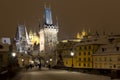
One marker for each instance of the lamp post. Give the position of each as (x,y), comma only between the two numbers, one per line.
(72,54)
(50,63)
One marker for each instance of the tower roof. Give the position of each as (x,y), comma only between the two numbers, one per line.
(48,16)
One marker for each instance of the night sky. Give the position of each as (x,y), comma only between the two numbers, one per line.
(73,15)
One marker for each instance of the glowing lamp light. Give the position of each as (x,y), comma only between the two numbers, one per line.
(22,60)
(72,54)
(50,59)
(13,54)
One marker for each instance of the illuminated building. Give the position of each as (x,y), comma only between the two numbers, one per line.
(83,49)
(82,34)
(107,56)
(48,33)
(22,39)
(83,52)
(65,47)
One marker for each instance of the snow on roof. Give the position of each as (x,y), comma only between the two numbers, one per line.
(113,48)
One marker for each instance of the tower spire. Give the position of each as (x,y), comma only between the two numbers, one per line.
(48,16)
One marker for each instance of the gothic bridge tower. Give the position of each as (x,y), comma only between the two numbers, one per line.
(48,33)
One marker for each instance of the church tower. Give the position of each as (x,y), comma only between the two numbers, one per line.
(48,33)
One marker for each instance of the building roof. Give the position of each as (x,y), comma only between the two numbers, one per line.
(106,49)
(4,47)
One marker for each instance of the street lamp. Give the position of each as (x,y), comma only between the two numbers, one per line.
(22,62)
(47,61)
(50,59)
(13,54)
(72,54)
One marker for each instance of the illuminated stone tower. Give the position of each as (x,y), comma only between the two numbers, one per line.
(22,39)
(48,33)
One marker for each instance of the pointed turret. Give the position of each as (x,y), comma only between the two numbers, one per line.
(16,38)
(84,33)
(78,35)
(27,37)
(57,26)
